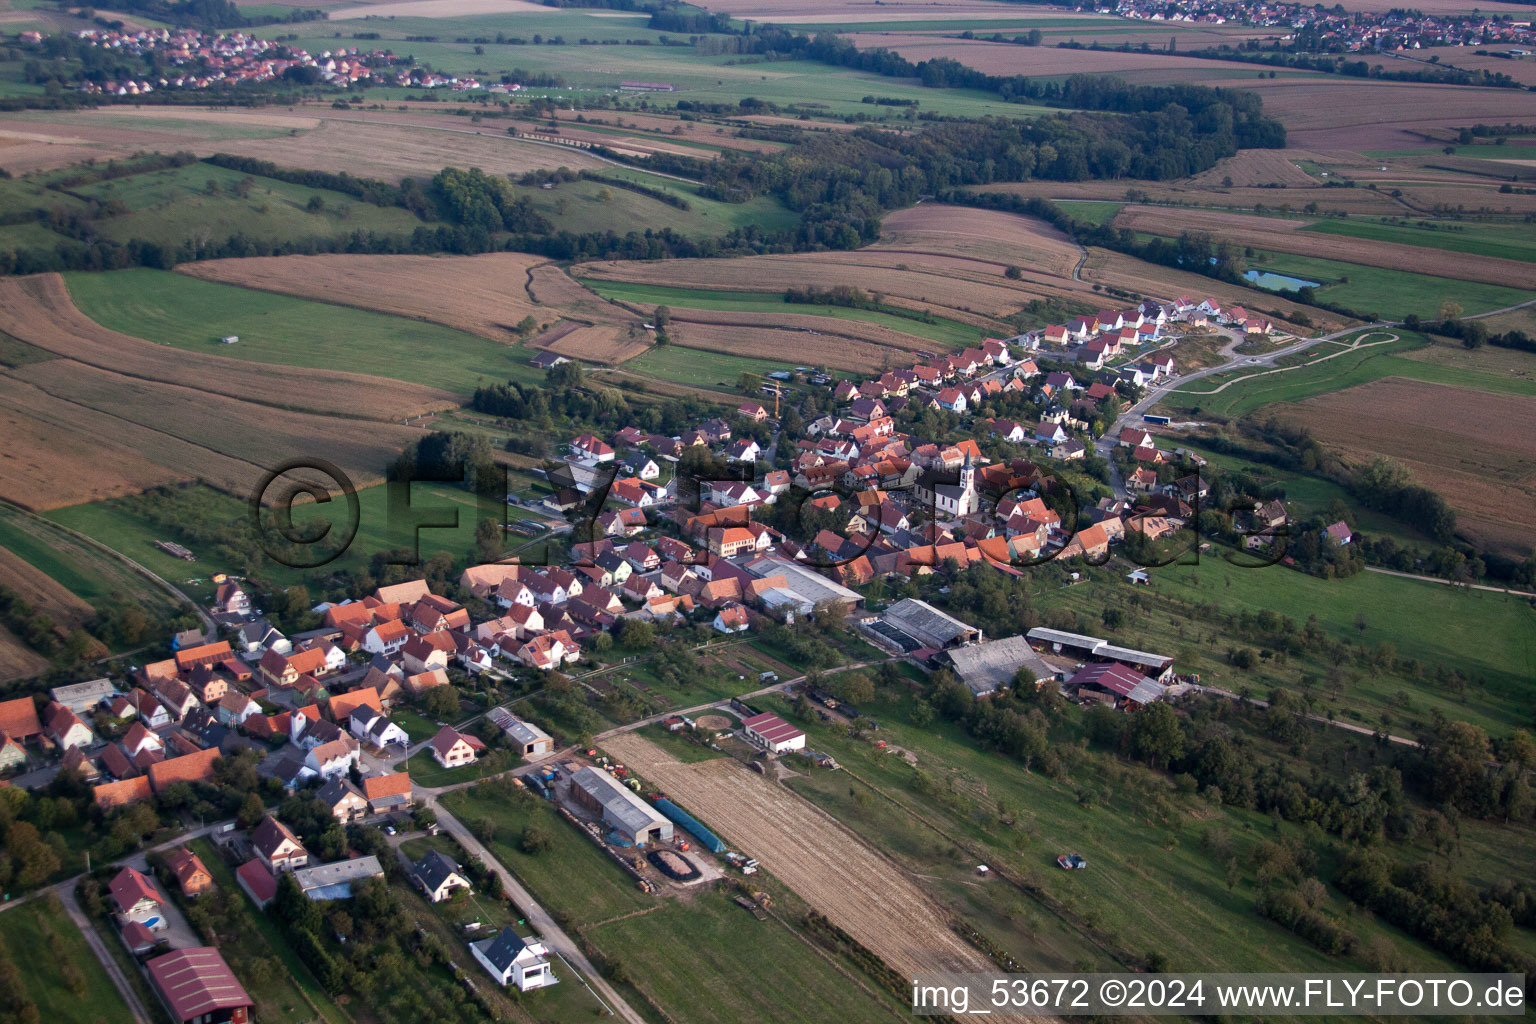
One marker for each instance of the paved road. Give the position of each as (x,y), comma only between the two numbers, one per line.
(551,933)
(93,939)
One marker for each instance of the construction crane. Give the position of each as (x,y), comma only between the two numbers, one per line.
(773,385)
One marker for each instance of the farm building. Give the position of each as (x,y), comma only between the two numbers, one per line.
(773,734)
(631,817)
(986,668)
(804,589)
(1092,648)
(196,985)
(530,739)
(81,697)
(1115,684)
(927,625)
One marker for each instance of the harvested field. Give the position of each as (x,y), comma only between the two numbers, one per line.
(819,11)
(391,150)
(1478,450)
(1008,59)
(1334,113)
(437,9)
(552,286)
(1004,238)
(1329,200)
(1256,167)
(52,463)
(17,660)
(1134,275)
(66,610)
(226,442)
(485,295)
(602,343)
(810,349)
(911,289)
(706,132)
(811,852)
(714,723)
(832,327)
(38,310)
(1522,71)
(1282,236)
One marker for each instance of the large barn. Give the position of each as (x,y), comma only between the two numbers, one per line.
(773,734)
(1091,648)
(927,625)
(628,815)
(989,667)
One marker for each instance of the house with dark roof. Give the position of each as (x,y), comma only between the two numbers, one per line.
(514,960)
(277,847)
(437,876)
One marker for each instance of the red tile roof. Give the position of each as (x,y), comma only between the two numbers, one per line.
(18,719)
(377,787)
(196,767)
(130,886)
(116,794)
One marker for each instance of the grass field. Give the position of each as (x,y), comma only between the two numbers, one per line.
(191,314)
(120,526)
(39,937)
(1345,371)
(1391,293)
(1143,848)
(1507,241)
(1489,638)
(947,331)
(578,206)
(699,368)
(89,574)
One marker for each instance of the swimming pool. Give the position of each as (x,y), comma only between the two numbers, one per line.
(1278,282)
(152,923)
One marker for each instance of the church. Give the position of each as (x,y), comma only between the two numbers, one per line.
(948,497)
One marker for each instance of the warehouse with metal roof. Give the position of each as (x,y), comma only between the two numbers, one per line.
(1116,684)
(987,668)
(1093,648)
(628,815)
(927,625)
(197,985)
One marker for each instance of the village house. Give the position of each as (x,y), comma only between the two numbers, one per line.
(451,749)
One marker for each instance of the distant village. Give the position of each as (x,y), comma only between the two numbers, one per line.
(1329,29)
(203,60)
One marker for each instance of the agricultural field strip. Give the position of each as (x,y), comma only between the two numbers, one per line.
(857,889)
(38,310)
(1285,236)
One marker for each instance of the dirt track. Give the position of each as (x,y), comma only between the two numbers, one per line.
(810,851)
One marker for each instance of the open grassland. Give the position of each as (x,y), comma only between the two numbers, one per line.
(39,311)
(44,140)
(225,441)
(582,206)
(1489,638)
(808,850)
(84,570)
(1142,278)
(40,940)
(1393,293)
(716,963)
(1004,238)
(1477,450)
(1334,366)
(124,526)
(1185,191)
(1508,242)
(720,306)
(699,368)
(333,359)
(485,295)
(1285,236)
(1144,845)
